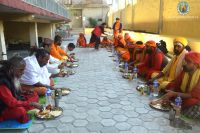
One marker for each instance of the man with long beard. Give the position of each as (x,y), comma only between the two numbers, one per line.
(174,67)
(187,86)
(13,103)
(154,60)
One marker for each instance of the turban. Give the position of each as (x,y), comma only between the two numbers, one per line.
(194,57)
(48,41)
(140,46)
(181,40)
(151,43)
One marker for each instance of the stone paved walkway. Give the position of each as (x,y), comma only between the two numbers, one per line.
(102,101)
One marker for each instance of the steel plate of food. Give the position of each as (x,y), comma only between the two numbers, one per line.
(49,113)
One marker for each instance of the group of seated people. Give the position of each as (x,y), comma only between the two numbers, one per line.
(82,42)
(23,80)
(178,77)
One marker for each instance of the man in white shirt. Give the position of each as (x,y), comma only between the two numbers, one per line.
(54,65)
(36,76)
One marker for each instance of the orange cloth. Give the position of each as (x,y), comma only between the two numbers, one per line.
(116,29)
(128,39)
(138,57)
(140,46)
(39,90)
(151,43)
(81,40)
(193,57)
(125,55)
(122,49)
(152,63)
(121,42)
(195,90)
(91,45)
(57,52)
(14,108)
(106,42)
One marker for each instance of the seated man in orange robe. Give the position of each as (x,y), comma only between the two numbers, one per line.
(138,53)
(153,61)
(105,42)
(81,42)
(56,51)
(130,44)
(129,41)
(187,86)
(122,49)
(13,103)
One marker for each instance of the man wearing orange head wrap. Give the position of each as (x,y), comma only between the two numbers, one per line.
(129,41)
(153,61)
(122,49)
(130,44)
(138,53)
(82,41)
(187,86)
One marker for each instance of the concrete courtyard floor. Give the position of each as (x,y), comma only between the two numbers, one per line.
(101,101)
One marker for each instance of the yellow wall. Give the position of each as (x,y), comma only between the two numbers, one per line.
(194,44)
(144,15)
(176,24)
(126,17)
(16,31)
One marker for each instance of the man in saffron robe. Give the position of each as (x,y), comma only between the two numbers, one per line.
(56,50)
(138,53)
(117,28)
(130,44)
(81,41)
(105,42)
(174,67)
(187,86)
(153,61)
(122,49)
(13,103)
(96,34)
(129,41)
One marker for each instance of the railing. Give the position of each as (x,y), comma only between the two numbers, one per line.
(49,5)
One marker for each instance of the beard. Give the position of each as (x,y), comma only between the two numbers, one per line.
(185,69)
(17,83)
(149,51)
(176,52)
(138,51)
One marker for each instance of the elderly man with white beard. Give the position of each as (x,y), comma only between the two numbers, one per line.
(13,103)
